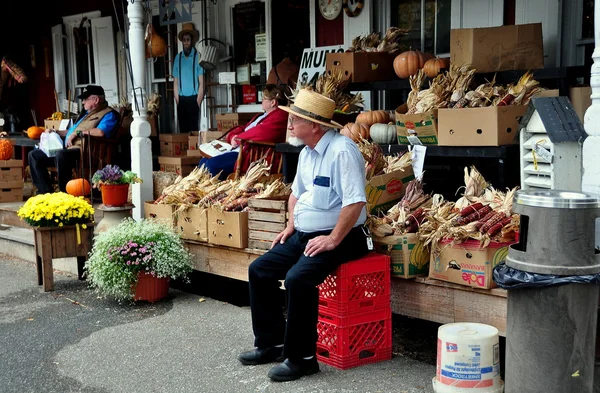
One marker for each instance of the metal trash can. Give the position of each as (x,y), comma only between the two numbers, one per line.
(551,331)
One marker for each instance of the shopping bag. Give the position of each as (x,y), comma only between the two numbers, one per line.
(50,143)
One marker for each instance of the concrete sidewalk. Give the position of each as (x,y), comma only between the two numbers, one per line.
(70,340)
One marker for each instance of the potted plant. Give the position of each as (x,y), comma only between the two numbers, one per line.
(114,183)
(62,226)
(130,255)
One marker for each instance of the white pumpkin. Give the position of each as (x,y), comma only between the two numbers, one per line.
(384,134)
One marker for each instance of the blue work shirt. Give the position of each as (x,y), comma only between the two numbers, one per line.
(330,177)
(186,81)
(107,124)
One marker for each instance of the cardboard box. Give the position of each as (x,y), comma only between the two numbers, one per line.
(197,138)
(490,126)
(194,140)
(52,124)
(409,258)
(228,228)
(580,99)
(467,264)
(11,171)
(195,153)
(173,145)
(226,121)
(192,224)
(162,212)
(362,66)
(11,192)
(503,48)
(384,191)
(209,136)
(181,165)
(421,126)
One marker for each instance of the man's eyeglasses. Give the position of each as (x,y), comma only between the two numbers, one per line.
(296,120)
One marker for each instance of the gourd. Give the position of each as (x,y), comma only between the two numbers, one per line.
(6,149)
(383,133)
(433,66)
(355,131)
(155,44)
(410,62)
(34,132)
(371,117)
(78,187)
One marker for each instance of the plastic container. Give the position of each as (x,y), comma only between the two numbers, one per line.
(468,359)
(357,287)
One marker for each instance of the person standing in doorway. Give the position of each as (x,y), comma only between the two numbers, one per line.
(188,80)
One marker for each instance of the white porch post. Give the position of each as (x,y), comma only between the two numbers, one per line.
(141,146)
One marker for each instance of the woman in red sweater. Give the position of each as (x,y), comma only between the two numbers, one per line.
(270,126)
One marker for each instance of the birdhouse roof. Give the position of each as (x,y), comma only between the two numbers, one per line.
(559,118)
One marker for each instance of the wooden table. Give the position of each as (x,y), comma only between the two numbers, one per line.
(421,297)
(26,144)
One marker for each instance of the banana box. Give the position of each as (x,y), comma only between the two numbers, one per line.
(409,257)
(384,191)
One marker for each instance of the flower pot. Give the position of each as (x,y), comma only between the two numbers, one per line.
(150,288)
(114,194)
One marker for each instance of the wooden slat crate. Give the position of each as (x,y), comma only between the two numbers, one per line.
(266,219)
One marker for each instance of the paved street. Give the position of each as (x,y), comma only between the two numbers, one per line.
(70,340)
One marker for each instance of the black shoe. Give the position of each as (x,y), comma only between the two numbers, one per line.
(288,371)
(261,356)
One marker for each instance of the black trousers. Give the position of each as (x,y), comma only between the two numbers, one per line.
(302,275)
(188,113)
(64,161)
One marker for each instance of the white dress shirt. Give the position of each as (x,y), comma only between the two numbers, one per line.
(329,177)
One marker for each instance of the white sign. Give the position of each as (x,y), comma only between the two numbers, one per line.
(418,160)
(255,69)
(313,63)
(227,78)
(261,46)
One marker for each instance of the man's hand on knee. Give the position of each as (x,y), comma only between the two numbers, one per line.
(319,244)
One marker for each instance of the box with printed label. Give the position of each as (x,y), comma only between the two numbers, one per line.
(161,212)
(467,263)
(226,121)
(416,128)
(409,257)
(192,224)
(489,126)
(181,165)
(501,48)
(173,145)
(384,191)
(362,66)
(11,171)
(228,228)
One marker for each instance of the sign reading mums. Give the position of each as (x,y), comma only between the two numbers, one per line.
(313,63)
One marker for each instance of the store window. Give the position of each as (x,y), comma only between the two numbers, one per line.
(84,54)
(428,23)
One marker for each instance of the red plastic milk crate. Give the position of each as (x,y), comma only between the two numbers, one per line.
(357,286)
(346,342)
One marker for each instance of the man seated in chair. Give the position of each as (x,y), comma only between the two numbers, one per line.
(98,120)
(270,126)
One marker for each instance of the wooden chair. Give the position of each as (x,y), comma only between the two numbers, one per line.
(257,150)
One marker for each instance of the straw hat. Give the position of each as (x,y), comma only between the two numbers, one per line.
(188,28)
(313,106)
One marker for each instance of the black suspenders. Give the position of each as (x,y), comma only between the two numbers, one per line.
(193,69)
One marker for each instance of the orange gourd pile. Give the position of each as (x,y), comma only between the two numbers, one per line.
(372,117)
(433,66)
(34,132)
(355,131)
(6,149)
(410,62)
(78,187)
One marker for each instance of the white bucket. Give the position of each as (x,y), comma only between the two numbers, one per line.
(468,359)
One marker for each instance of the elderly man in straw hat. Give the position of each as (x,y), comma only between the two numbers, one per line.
(188,80)
(325,229)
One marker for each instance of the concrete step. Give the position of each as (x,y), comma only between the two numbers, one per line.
(19,242)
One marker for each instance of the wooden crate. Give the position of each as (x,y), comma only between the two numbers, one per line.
(266,219)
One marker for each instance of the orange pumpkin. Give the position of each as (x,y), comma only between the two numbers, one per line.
(78,187)
(6,149)
(409,63)
(372,117)
(34,132)
(355,131)
(433,66)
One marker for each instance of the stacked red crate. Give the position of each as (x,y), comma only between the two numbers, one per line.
(355,318)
